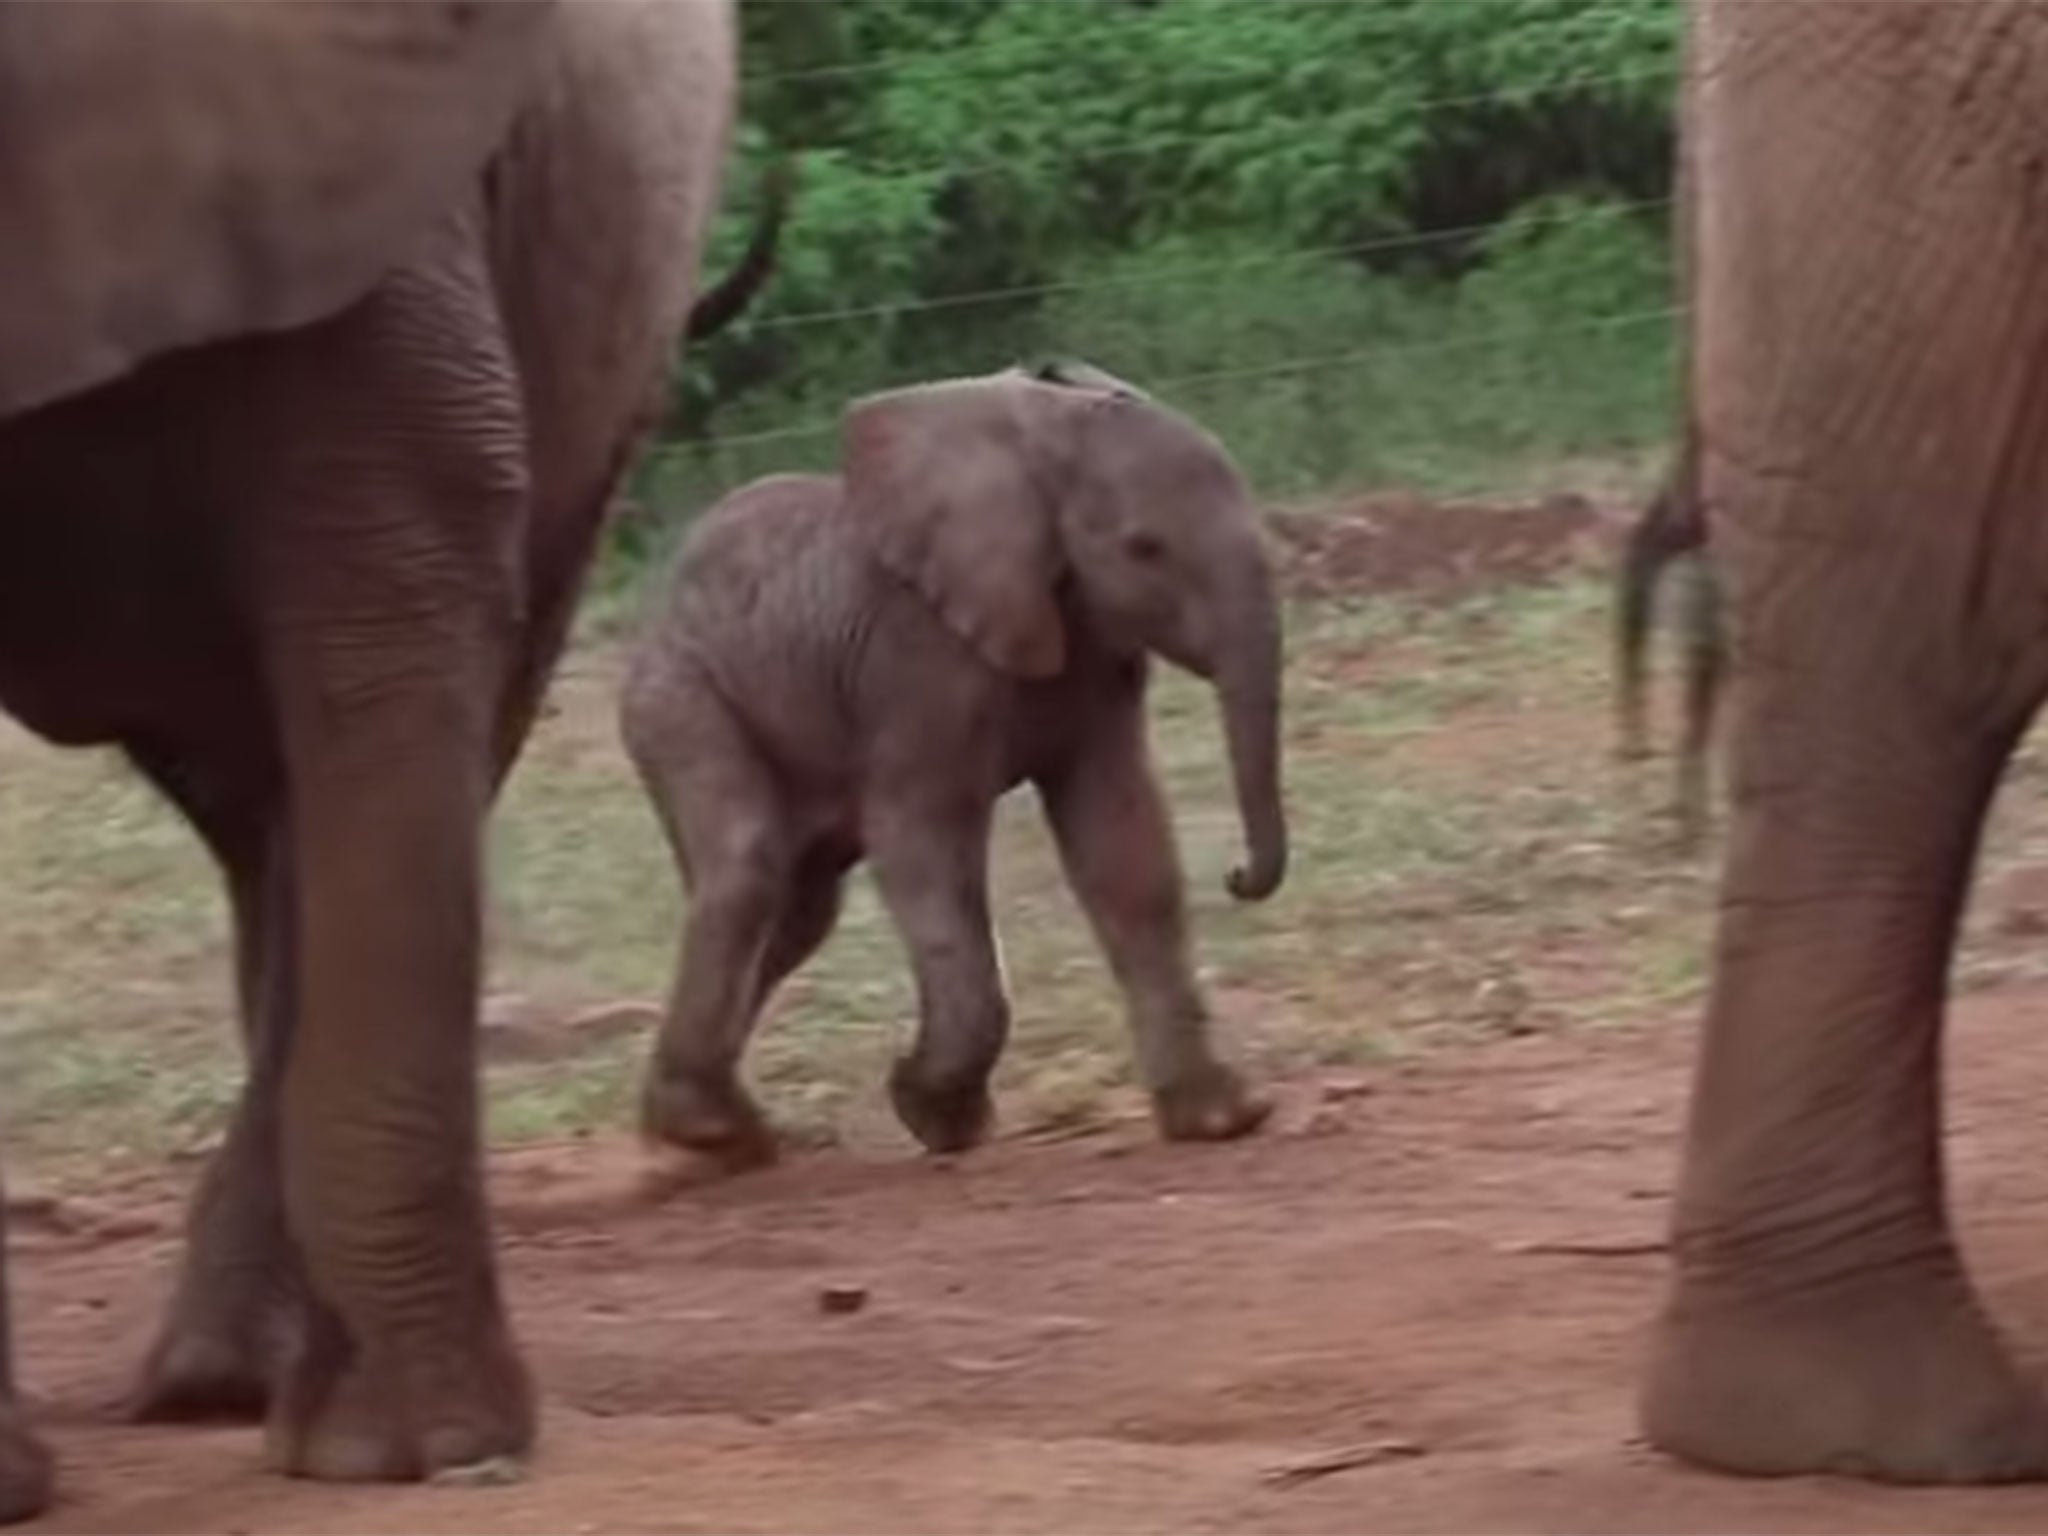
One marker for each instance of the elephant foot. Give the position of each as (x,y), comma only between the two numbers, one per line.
(1901,1380)
(1211,1104)
(234,1319)
(208,1368)
(26,1471)
(448,1410)
(193,1377)
(943,1119)
(716,1119)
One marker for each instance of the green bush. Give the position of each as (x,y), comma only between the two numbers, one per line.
(1461,205)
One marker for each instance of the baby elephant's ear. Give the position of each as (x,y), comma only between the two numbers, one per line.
(953,485)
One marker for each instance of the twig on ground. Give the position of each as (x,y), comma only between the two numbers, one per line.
(1349,1458)
(1595,1248)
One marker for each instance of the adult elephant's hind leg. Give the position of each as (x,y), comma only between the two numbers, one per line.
(719,807)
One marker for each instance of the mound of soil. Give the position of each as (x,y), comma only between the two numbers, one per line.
(1402,543)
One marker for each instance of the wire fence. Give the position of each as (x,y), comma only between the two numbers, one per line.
(1200,275)
(1302,413)
(1531,337)
(1484,415)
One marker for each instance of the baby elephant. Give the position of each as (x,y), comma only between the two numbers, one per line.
(859,666)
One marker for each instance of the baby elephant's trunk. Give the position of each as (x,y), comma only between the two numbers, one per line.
(1248,684)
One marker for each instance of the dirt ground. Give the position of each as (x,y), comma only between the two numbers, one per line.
(1441,1270)
(1416,1303)
(1438,550)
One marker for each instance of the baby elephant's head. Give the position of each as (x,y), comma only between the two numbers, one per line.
(995,495)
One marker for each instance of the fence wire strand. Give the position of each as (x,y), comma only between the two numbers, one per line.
(1323,362)
(1185,276)
(1192,277)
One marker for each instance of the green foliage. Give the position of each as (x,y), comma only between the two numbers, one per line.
(1190,187)
(1317,375)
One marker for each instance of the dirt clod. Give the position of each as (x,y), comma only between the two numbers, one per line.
(842,1299)
(492,1472)
(1342,1090)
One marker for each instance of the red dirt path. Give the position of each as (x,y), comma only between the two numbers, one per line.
(1102,1334)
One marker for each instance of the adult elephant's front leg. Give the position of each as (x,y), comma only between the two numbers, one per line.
(408,1365)
(236,1305)
(389,580)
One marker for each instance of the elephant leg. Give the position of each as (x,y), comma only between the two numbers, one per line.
(25,1468)
(240,1290)
(808,916)
(387,512)
(407,1366)
(1116,844)
(1872,402)
(723,817)
(931,865)
(1821,1319)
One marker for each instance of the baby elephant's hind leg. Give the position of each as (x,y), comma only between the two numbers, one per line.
(720,808)
(931,865)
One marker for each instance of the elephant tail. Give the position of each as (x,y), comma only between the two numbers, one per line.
(719,306)
(1669,527)
(1705,667)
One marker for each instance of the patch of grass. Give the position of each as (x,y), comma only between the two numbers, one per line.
(1469,862)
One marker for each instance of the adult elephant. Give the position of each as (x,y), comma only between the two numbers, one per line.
(326,330)
(1869,342)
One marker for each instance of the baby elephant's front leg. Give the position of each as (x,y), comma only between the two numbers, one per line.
(1117,846)
(931,865)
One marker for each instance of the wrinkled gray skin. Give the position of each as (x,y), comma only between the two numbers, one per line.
(1671,530)
(858,666)
(313,425)
(1870,325)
